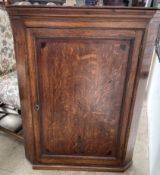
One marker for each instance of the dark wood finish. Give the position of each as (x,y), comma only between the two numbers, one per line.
(79,89)
(82,74)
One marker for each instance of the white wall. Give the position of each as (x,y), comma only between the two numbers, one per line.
(153,109)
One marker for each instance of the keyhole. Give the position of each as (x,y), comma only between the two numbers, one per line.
(36,107)
(43,44)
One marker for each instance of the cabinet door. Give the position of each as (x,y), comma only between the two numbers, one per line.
(82,85)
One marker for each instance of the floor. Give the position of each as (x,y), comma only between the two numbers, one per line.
(13,162)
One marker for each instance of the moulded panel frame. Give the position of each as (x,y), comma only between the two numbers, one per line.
(135,38)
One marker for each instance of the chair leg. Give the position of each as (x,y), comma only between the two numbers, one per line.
(16,135)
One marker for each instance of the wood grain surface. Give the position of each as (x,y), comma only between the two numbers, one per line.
(78,81)
(81,78)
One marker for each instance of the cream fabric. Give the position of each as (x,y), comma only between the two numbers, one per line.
(7,56)
(9,93)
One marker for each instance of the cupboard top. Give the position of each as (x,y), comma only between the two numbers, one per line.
(95,12)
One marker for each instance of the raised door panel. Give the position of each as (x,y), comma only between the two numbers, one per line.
(80,106)
(80,83)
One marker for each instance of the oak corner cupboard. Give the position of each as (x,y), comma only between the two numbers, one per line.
(82,74)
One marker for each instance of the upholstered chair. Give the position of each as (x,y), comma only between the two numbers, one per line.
(9,94)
